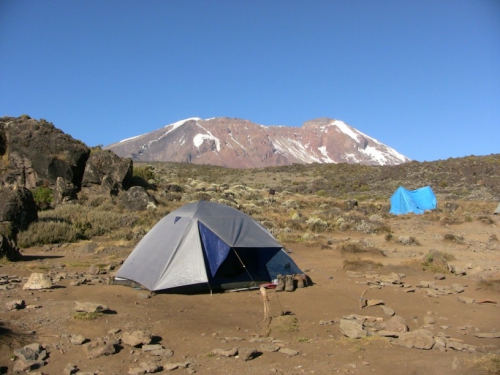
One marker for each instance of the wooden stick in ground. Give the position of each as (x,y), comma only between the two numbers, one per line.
(362,299)
(265,300)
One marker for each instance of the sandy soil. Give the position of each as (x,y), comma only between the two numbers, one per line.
(194,325)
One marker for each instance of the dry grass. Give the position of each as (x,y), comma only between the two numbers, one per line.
(484,365)
(359,264)
(453,238)
(80,315)
(489,284)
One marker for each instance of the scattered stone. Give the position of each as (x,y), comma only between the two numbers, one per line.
(99,348)
(387,310)
(426,284)
(467,300)
(136,371)
(70,369)
(326,322)
(93,270)
(289,352)
(396,324)
(439,276)
(419,339)
(170,366)
(429,320)
(488,335)
(225,352)
(143,295)
(136,338)
(38,281)
(157,350)
(374,302)
(77,339)
(15,305)
(385,333)
(31,352)
(90,307)
(247,354)
(352,328)
(269,348)
(457,288)
(150,368)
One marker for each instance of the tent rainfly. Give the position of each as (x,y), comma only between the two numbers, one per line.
(205,245)
(497,211)
(412,201)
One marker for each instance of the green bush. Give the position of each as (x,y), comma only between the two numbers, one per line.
(43,197)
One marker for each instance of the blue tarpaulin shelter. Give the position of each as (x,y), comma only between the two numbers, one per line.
(412,201)
(206,244)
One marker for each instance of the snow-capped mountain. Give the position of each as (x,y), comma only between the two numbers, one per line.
(238,143)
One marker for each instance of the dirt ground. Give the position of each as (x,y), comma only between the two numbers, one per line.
(307,320)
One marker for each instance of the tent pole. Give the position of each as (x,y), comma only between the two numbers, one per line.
(245,267)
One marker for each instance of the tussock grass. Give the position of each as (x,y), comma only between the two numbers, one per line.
(454,238)
(488,364)
(80,315)
(436,261)
(359,264)
(489,284)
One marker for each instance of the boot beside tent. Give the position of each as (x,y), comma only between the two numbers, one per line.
(206,245)
(412,201)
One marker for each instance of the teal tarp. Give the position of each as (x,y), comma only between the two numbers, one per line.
(412,201)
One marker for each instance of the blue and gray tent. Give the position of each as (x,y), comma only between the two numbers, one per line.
(412,201)
(206,245)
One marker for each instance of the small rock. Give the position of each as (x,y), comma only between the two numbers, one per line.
(466,299)
(419,339)
(90,307)
(352,328)
(136,338)
(38,281)
(269,348)
(77,339)
(70,369)
(247,354)
(150,368)
(488,335)
(387,310)
(396,324)
(15,305)
(225,352)
(374,302)
(289,352)
(93,270)
(439,276)
(99,348)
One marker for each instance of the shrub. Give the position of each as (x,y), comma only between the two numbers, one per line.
(43,232)
(361,265)
(43,197)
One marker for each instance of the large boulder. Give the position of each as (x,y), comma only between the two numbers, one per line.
(137,199)
(8,244)
(108,170)
(35,153)
(18,207)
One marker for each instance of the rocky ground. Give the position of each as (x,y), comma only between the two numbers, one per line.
(401,318)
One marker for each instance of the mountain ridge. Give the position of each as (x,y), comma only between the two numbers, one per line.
(240,143)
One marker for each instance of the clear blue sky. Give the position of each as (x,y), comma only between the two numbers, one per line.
(422,76)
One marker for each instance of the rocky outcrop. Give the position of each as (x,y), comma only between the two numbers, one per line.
(137,199)
(35,153)
(107,169)
(18,207)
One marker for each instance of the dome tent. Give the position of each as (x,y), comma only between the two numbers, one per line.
(412,201)
(206,245)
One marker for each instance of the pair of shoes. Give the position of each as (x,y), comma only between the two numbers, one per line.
(301,280)
(289,283)
(281,283)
